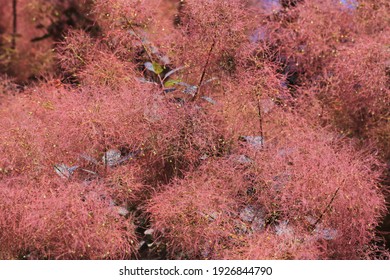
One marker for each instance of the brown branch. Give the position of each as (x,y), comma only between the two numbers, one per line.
(260,119)
(147,50)
(131,26)
(14,24)
(326,209)
(197,93)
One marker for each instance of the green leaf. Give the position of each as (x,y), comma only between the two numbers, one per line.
(157,68)
(154,67)
(171,83)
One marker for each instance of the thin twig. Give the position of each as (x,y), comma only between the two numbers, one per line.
(326,209)
(140,40)
(197,92)
(147,50)
(14,25)
(260,119)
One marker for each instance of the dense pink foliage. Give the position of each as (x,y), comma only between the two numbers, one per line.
(194,129)
(359,96)
(290,184)
(56,220)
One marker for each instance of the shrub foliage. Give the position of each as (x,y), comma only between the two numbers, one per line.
(169,129)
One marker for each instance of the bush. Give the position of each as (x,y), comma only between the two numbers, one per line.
(52,219)
(357,92)
(302,195)
(28,54)
(216,125)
